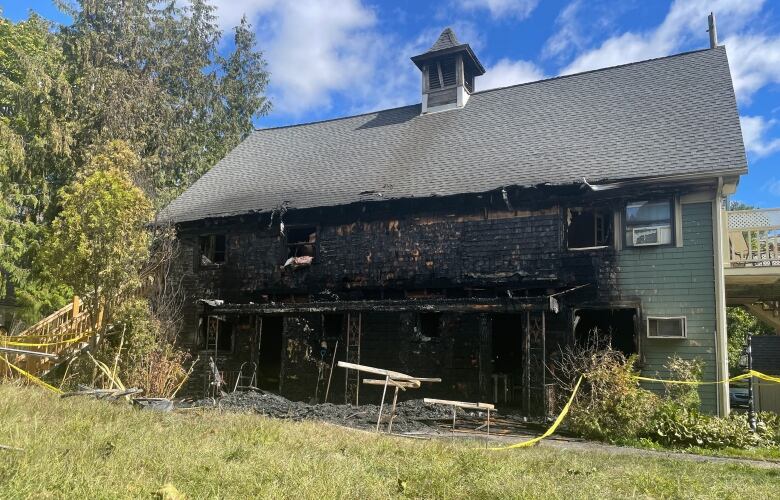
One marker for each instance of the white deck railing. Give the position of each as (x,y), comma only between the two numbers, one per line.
(753,237)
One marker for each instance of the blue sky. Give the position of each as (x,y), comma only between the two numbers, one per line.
(331,58)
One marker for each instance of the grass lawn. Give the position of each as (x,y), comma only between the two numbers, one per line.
(78,448)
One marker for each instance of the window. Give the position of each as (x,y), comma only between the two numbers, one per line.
(588,228)
(615,327)
(667,328)
(429,325)
(213,249)
(649,223)
(301,242)
(218,334)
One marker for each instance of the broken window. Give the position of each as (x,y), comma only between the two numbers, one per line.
(218,334)
(614,327)
(649,223)
(588,227)
(301,242)
(430,325)
(213,249)
(667,328)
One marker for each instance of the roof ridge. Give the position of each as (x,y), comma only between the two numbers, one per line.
(315,122)
(633,63)
(326,120)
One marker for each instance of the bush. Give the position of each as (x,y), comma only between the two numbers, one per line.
(148,359)
(610,405)
(674,425)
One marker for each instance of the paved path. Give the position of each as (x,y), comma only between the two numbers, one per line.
(581,445)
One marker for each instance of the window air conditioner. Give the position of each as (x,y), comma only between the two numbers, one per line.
(651,235)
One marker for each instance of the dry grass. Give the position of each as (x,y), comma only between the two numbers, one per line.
(78,448)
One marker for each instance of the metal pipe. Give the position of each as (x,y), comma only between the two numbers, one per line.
(713,30)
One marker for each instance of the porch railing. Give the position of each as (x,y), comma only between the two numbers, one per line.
(753,237)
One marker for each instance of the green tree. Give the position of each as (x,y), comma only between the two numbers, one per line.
(98,242)
(150,74)
(740,322)
(36,155)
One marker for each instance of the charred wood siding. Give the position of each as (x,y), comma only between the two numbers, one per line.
(493,252)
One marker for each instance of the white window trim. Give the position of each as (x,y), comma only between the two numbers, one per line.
(684,325)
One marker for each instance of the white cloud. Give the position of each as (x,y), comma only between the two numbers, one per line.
(773,186)
(519,9)
(754,133)
(506,72)
(754,62)
(314,49)
(684,24)
(569,35)
(229,12)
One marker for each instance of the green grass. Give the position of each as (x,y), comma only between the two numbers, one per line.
(78,448)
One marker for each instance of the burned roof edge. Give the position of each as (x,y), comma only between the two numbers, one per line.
(611,183)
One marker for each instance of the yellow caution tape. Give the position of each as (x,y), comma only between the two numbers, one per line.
(32,377)
(552,428)
(565,411)
(33,344)
(751,373)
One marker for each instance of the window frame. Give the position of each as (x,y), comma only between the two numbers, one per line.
(683,319)
(316,244)
(607,215)
(213,239)
(628,243)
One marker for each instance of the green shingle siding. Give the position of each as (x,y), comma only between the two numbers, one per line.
(677,281)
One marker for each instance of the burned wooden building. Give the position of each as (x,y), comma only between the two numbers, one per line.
(469,236)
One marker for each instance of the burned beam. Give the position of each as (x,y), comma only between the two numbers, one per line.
(503,305)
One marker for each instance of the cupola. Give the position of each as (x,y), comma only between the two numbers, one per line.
(448,71)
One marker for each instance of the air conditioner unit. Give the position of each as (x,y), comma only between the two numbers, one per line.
(651,235)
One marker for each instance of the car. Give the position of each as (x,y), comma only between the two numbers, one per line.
(739,397)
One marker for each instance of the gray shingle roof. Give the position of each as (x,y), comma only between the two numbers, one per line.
(674,115)
(446,40)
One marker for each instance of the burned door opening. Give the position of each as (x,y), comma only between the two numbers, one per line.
(270,352)
(507,357)
(518,361)
(615,327)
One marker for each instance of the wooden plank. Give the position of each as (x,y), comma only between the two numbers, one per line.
(375,371)
(400,384)
(461,404)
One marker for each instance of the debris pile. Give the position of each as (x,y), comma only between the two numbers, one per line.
(410,416)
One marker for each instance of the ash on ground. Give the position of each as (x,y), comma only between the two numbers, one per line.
(410,416)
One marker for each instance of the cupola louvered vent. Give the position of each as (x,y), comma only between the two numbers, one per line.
(433,76)
(448,71)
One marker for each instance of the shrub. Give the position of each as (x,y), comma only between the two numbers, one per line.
(147,360)
(610,405)
(684,395)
